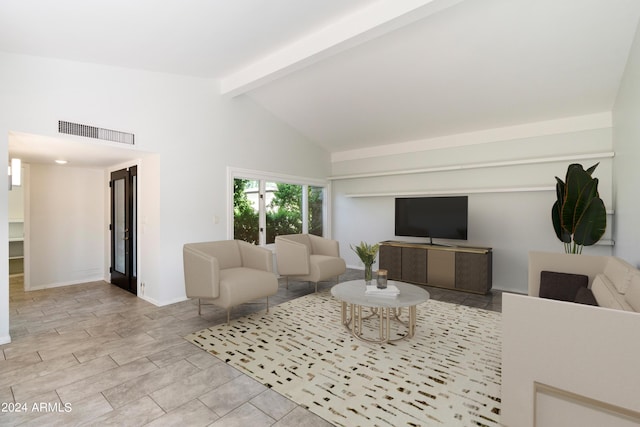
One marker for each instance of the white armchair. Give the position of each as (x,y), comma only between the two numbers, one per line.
(309,258)
(228,273)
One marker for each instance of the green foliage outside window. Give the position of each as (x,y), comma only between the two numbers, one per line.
(315,210)
(245,218)
(284,213)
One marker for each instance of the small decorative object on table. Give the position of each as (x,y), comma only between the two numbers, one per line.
(382,279)
(367,254)
(390,291)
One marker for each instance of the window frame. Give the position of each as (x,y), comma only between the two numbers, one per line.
(262,177)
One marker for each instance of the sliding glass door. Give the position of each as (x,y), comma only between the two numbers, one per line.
(283,210)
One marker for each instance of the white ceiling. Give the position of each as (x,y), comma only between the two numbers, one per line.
(358,73)
(45,150)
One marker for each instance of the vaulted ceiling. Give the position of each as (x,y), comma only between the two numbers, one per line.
(358,73)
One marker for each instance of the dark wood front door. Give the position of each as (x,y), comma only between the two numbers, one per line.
(123,228)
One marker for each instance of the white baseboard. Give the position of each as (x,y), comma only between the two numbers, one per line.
(163,303)
(107,280)
(6,339)
(68,283)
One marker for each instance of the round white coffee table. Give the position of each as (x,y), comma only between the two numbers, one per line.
(385,308)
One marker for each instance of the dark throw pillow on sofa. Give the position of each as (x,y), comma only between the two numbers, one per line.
(585,296)
(561,286)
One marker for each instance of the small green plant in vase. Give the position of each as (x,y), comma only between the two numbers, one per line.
(367,254)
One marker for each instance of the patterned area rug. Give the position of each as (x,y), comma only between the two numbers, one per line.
(448,374)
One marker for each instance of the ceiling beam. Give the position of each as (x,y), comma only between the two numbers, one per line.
(366,24)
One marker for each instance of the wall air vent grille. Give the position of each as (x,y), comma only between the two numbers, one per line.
(95,132)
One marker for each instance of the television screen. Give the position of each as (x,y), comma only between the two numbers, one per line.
(433,217)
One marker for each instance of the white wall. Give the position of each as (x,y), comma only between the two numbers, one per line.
(66,222)
(195,133)
(16,202)
(626,137)
(512,223)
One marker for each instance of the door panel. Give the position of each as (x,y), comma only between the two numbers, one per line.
(123,231)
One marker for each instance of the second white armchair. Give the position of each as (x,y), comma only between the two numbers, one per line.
(308,257)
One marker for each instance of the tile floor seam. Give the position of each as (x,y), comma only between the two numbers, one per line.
(159,406)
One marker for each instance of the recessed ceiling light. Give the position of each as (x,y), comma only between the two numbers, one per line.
(61,162)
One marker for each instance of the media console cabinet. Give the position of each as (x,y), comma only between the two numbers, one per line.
(462,268)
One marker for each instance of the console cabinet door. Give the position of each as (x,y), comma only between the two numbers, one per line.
(441,269)
(414,265)
(391,260)
(474,272)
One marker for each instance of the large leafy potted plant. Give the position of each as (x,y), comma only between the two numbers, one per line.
(367,254)
(579,216)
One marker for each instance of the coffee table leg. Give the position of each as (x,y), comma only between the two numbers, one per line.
(355,320)
(389,324)
(412,320)
(343,313)
(352,318)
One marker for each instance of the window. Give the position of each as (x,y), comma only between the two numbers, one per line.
(283,209)
(266,208)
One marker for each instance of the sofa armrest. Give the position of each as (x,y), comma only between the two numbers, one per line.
(577,348)
(201,273)
(322,246)
(255,256)
(293,257)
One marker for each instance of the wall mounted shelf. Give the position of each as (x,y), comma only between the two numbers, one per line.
(517,162)
(453,191)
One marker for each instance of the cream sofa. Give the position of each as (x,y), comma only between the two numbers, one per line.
(308,257)
(228,273)
(565,363)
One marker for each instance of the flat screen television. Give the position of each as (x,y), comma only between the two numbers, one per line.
(433,217)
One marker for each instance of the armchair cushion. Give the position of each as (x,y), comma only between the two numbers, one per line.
(324,266)
(239,285)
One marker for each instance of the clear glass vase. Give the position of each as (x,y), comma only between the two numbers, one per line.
(368,273)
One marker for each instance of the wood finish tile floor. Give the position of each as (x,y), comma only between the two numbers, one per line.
(93,354)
